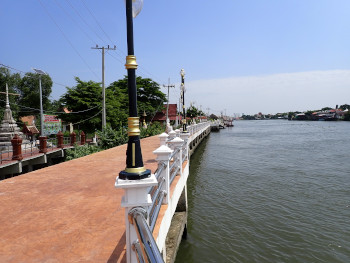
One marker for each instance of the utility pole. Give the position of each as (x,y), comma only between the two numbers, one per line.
(103,83)
(40,73)
(167,106)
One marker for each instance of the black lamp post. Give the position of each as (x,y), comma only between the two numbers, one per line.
(184,125)
(134,165)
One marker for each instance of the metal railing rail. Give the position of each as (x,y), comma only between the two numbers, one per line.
(155,200)
(51,143)
(159,170)
(5,154)
(29,148)
(154,216)
(137,248)
(66,141)
(147,245)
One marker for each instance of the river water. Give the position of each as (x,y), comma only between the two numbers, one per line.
(270,191)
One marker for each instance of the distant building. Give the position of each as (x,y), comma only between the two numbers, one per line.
(172,114)
(29,128)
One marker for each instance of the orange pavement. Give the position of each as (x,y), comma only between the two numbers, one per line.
(69,212)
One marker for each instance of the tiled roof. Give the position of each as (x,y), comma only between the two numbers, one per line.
(30,120)
(30,129)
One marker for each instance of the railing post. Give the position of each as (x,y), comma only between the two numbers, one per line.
(16,148)
(162,138)
(73,138)
(177,144)
(163,157)
(172,135)
(135,194)
(43,144)
(184,136)
(178,132)
(82,138)
(59,139)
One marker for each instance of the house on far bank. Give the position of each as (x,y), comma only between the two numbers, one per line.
(172,114)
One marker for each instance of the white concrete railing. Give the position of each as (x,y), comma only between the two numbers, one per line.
(147,195)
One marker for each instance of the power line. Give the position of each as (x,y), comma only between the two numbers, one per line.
(21,71)
(34,109)
(67,13)
(96,21)
(67,39)
(87,118)
(82,18)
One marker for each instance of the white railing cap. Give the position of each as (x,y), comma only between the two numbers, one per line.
(163,135)
(176,139)
(162,149)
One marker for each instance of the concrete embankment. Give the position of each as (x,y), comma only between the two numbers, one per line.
(178,227)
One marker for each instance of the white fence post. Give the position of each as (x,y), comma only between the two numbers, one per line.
(177,144)
(135,194)
(185,136)
(162,138)
(177,132)
(163,157)
(172,135)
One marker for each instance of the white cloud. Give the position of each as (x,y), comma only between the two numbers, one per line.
(272,93)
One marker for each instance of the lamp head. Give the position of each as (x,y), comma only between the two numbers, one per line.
(39,71)
(136,7)
(182,73)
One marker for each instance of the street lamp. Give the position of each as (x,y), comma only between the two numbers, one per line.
(41,72)
(134,165)
(184,126)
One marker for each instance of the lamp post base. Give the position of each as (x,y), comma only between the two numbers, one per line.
(131,175)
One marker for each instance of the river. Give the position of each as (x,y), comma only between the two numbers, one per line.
(270,191)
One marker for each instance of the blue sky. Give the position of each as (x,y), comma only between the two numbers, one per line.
(240,56)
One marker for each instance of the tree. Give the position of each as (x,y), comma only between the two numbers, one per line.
(213,117)
(88,95)
(344,107)
(84,101)
(149,95)
(193,112)
(30,93)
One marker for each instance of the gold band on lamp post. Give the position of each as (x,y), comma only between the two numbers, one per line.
(133,126)
(131,62)
(137,170)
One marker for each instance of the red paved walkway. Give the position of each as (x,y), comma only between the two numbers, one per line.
(69,212)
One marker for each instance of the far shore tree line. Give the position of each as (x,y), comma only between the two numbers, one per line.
(308,115)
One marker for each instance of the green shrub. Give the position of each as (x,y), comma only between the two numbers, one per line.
(109,138)
(80,151)
(152,129)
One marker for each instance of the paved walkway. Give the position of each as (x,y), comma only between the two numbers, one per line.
(69,212)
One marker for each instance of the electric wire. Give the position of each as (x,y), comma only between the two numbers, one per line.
(21,71)
(47,111)
(88,118)
(81,17)
(96,21)
(67,39)
(74,21)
